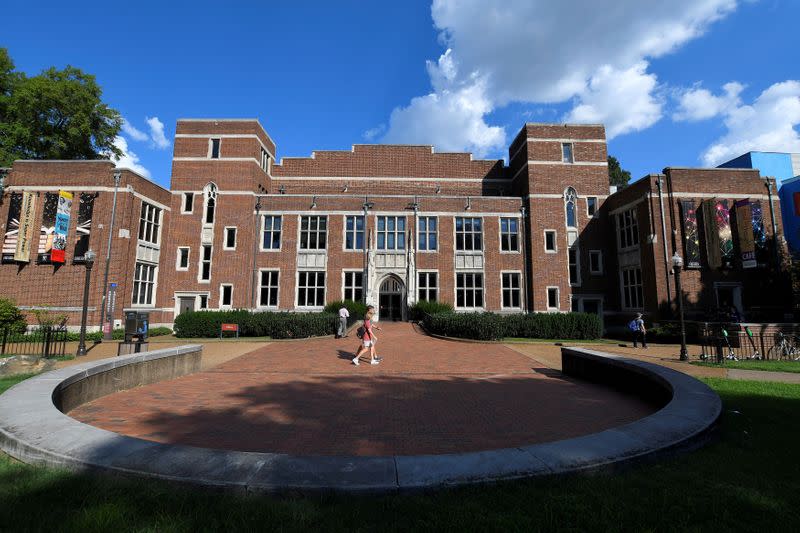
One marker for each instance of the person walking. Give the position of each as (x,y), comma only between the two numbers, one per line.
(344,314)
(368,339)
(639,331)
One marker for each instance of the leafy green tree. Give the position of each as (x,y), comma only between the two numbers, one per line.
(616,174)
(10,316)
(58,114)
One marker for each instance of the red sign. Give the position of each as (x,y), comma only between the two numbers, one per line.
(107,327)
(230,327)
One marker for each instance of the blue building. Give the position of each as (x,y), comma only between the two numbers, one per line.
(785,168)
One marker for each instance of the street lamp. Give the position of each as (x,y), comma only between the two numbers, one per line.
(89,262)
(677,265)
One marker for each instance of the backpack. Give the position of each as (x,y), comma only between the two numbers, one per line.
(360,332)
(634,325)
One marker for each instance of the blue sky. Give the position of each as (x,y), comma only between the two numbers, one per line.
(696,82)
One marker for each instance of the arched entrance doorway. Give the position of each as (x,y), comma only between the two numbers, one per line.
(390,299)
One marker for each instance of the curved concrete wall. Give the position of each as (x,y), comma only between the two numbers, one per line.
(34,430)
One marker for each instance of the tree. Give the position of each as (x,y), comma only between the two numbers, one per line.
(58,114)
(11,317)
(616,174)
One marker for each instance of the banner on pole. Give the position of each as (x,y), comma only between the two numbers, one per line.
(61,227)
(25,235)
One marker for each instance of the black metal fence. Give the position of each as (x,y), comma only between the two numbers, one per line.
(44,341)
(739,345)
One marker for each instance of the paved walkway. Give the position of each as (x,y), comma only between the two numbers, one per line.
(428,396)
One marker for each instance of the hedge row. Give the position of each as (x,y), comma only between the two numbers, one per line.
(357,310)
(492,326)
(256,324)
(118,334)
(424,307)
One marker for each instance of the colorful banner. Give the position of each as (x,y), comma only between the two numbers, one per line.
(759,233)
(62,227)
(743,217)
(48,227)
(711,234)
(84,226)
(12,227)
(723,222)
(691,236)
(26,222)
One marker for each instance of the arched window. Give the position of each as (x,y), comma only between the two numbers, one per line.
(209,202)
(570,201)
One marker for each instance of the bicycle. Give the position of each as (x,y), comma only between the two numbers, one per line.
(787,347)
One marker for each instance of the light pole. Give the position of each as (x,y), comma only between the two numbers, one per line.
(677,265)
(89,262)
(107,334)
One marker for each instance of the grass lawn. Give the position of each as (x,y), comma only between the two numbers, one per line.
(749,364)
(749,480)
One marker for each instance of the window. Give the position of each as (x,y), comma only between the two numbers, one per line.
(550,241)
(428,286)
(574,266)
(271,233)
(627,229)
(552,298)
(210,203)
(204,301)
(391,233)
(591,205)
(84,227)
(632,297)
(509,235)
(205,263)
(570,199)
(264,161)
(268,289)
(313,232)
(354,233)
(566,153)
(183,258)
(427,239)
(512,292)
(353,286)
(596,261)
(214,148)
(230,238)
(469,234)
(310,289)
(188,202)
(149,223)
(144,281)
(225,295)
(469,290)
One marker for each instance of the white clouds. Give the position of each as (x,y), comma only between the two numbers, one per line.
(539,51)
(129,159)
(157,132)
(623,100)
(136,135)
(768,124)
(699,104)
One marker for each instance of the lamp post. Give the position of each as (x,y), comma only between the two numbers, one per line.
(89,262)
(677,265)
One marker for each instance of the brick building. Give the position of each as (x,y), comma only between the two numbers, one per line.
(390,224)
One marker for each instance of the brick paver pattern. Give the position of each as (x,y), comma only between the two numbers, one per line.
(428,396)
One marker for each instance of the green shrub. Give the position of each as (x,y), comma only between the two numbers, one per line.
(11,317)
(281,325)
(357,310)
(424,307)
(491,326)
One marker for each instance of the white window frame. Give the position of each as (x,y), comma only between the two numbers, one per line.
(623,228)
(265,160)
(558,298)
(150,223)
(482,289)
(211,147)
(599,254)
(153,283)
(225,238)
(271,231)
(596,206)
(471,232)
(399,235)
(178,266)
(571,153)
(630,289)
(577,281)
(184,196)
(500,229)
(510,289)
(354,288)
(297,289)
(427,233)
(210,192)
(571,197)
(201,261)
(555,241)
(261,287)
(222,293)
(355,233)
(200,301)
(318,232)
(428,289)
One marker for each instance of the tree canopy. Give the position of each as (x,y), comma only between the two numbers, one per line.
(616,174)
(57,114)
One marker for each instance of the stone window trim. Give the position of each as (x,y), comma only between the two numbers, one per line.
(222,304)
(272,230)
(554,250)
(312,234)
(315,286)
(592,205)
(225,245)
(631,288)
(269,288)
(478,292)
(203,260)
(426,287)
(390,239)
(574,251)
(355,233)
(150,224)
(178,257)
(214,147)
(187,200)
(507,236)
(504,274)
(599,262)
(472,234)
(353,287)
(427,232)
(553,294)
(145,284)
(627,230)
(568,152)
